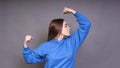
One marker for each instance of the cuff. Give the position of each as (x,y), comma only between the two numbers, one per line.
(77,14)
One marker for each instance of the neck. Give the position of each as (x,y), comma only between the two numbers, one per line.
(59,37)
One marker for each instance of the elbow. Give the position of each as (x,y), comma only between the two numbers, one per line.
(88,24)
(28,61)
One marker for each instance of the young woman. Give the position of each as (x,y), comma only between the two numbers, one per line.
(60,49)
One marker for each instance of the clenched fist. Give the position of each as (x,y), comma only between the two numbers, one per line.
(28,38)
(68,10)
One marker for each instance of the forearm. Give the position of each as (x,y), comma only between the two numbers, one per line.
(82,20)
(27,55)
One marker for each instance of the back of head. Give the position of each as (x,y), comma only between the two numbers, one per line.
(55,28)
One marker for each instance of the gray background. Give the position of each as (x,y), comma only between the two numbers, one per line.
(101,48)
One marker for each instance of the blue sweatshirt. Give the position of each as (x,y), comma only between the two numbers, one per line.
(60,54)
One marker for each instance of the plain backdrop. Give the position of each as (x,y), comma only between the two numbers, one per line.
(101,48)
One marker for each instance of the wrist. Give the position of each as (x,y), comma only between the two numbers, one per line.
(73,11)
(25,46)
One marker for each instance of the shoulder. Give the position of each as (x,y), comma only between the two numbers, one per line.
(46,44)
(47,47)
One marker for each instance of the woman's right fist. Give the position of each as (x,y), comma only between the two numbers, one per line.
(68,10)
(28,38)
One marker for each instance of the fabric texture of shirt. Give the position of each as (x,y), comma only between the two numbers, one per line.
(60,54)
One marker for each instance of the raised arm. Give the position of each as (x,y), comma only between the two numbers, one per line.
(77,38)
(32,56)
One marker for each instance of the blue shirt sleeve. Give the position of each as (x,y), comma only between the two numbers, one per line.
(77,38)
(33,56)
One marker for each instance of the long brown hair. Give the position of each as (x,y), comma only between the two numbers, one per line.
(55,28)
